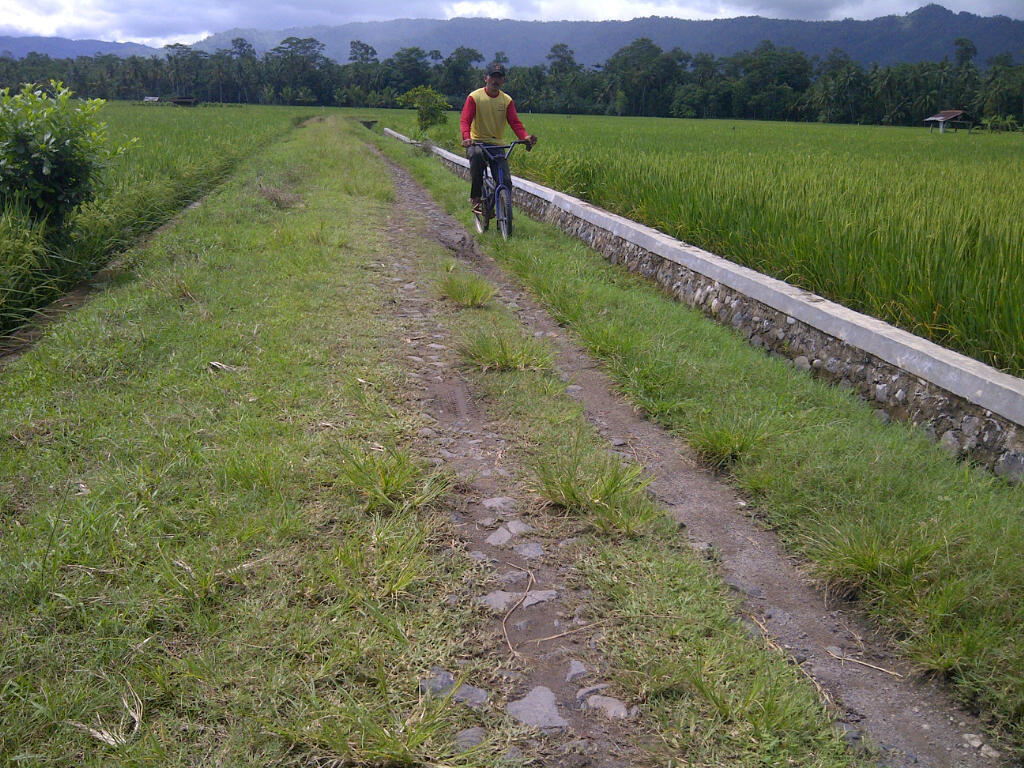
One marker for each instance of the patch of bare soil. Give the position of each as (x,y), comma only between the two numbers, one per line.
(876,695)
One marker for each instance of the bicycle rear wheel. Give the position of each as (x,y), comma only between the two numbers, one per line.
(504,213)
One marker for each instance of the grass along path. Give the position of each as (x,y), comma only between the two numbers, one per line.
(883,515)
(174,157)
(189,573)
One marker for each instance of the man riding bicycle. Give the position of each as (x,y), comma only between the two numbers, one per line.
(484,115)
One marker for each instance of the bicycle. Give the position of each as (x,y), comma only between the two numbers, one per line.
(497,197)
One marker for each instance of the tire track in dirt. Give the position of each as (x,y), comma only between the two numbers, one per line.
(875,693)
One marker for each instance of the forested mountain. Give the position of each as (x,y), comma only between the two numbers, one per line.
(62,48)
(927,34)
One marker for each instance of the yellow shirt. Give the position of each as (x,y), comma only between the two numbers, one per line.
(491,116)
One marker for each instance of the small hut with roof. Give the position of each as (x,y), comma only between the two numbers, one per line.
(954,117)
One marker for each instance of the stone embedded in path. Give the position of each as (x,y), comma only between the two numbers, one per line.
(512,756)
(500,537)
(499,505)
(441,682)
(537,708)
(471,696)
(530,550)
(518,527)
(576,670)
(499,600)
(470,737)
(611,708)
(583,693)
(511,577)
(438,684)
(535,596)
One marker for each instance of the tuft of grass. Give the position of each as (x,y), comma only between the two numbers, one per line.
(383,559)
(466,289)
(347,730)
(721,442)
(392,481)
(584,481)
(503,349)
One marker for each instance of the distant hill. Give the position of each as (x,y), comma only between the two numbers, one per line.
(926,34)
(62,48)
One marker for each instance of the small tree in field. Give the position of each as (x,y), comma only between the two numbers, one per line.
(431,107)
(51,150)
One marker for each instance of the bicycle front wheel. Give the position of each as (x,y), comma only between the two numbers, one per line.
(481,220)
(504,213)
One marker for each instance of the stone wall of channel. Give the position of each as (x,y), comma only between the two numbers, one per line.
(963,428)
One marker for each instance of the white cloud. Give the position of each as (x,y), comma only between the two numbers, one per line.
(586,10)
(37,19)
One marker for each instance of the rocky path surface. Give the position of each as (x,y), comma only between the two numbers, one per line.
(552,679)
(546,673)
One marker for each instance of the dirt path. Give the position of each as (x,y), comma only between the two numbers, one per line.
(551,679)
(874,693)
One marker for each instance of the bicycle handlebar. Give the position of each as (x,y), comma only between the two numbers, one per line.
(500,146)
(492,150)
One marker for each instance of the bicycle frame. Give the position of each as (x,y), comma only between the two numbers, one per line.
(494,183)
(493,153)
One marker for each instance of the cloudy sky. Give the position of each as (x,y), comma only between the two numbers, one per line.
(157,23)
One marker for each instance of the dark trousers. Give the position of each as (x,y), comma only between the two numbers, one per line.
(477,160)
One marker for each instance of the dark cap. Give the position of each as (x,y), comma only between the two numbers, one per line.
(497,68)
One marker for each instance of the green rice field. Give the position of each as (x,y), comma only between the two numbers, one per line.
(174,156)
(920,229)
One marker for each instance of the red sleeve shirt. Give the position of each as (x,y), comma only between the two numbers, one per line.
(514,122)
(469,112)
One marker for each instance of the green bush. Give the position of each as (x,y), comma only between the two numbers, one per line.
(431,107)
(51,150)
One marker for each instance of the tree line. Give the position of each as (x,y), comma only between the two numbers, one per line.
(766,83)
